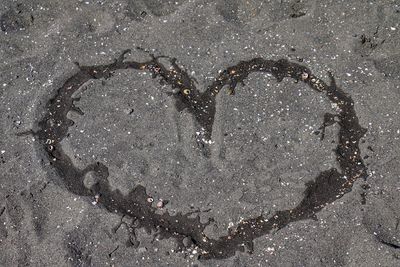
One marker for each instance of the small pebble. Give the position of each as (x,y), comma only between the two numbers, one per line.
(129,111)
(142,250)
(187,242)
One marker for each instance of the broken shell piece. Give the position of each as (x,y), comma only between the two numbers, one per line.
(160,204)
(96,199)
(304,76)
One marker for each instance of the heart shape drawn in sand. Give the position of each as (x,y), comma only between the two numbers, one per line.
(327,187)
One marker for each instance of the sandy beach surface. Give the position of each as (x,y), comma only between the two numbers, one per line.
(199,133)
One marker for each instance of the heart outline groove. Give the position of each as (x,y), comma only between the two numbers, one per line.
(327,187)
